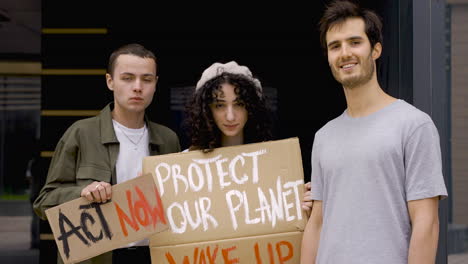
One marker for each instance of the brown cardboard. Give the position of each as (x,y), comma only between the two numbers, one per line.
(276,248)
(251,173)
(83,230)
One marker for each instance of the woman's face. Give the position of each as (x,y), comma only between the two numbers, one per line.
(229,113)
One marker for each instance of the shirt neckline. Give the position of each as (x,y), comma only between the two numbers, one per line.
(374,114)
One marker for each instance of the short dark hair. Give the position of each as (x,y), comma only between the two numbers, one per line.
(340,10)
(132,49)
(203,132)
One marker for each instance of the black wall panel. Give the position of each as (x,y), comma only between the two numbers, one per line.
(79,92)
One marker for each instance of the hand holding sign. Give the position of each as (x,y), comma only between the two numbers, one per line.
(83,230)
(97,192)
(307,200)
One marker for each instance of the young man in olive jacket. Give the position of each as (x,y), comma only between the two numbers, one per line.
(96,152)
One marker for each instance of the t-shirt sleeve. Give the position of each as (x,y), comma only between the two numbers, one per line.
(423,164)
(316,177)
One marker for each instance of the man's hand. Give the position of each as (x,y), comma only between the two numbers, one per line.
(307,199)
(97,192)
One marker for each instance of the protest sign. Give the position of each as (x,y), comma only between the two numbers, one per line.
(275,248)
(83,230)
(241,193)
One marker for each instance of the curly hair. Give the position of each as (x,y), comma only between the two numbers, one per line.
(202,129)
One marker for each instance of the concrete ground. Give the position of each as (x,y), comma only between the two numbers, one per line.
(15,240)
(458,259)
(15,233)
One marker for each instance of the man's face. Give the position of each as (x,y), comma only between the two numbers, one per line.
(350,56)
(133,82)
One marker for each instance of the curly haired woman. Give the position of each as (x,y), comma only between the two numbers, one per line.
(228,108)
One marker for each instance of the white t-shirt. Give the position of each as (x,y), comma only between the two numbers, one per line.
(133,148)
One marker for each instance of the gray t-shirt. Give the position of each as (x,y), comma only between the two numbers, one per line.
(365,170)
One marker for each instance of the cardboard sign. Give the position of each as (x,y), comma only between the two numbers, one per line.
(276,248)
(236,192)
(83,230)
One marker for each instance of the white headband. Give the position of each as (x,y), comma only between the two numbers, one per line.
(216,69)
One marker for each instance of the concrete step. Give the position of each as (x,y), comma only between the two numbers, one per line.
(457,239)
(458,258)
(15,240)
(27,256)
(15,208)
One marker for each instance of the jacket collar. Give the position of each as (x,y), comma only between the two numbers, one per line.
(108,133)
(107,128)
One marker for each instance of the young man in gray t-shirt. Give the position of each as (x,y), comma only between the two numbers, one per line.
(376,169)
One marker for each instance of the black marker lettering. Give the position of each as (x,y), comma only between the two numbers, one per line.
(64,235)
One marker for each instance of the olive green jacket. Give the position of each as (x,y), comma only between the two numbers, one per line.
(88,152)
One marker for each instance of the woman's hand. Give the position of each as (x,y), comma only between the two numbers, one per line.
(307,199)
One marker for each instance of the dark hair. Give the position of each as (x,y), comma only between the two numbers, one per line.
(202,129)
(132,49)
(340,10)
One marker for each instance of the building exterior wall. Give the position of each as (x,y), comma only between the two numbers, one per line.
(459,109)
